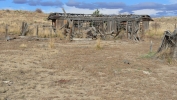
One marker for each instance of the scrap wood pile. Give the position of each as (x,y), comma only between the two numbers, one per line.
(168,47)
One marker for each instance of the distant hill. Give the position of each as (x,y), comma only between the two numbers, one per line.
(14,19)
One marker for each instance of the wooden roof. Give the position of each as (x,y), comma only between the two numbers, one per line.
(90,17)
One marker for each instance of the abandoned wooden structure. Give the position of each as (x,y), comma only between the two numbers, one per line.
(102,25)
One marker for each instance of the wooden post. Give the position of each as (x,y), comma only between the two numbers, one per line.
(151,46)
(142,28)
(6,28)
(70,32)
(115,27)
(24,29)
(127,28)
(79,26)
(110,27)
(133,30)
(37,31)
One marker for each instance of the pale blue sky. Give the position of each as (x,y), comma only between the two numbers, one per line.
(150,7)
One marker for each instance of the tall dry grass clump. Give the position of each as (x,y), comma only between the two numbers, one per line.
(98,44)
(43,32)
(60,34)
(51,43)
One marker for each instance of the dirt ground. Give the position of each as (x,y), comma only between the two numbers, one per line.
(30,70)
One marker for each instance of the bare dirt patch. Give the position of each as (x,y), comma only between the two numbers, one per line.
(79,71)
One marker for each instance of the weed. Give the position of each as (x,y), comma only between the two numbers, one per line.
(148,55)
(60,34)
(23,45)
(51,43)
(98,44)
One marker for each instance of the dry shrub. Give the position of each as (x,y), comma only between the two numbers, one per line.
(7,10)
(51,43)
(23,46)
(38,10)
(98,44)
(60,34)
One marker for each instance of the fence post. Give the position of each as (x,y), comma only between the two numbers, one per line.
(6,28)
(24,29)
(37,30)
(151,46)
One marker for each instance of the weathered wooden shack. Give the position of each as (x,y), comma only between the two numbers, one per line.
(102,25)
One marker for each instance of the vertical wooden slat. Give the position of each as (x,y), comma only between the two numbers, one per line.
(142,28)
(70,32)
(127,28)
(133,30)
(110,28)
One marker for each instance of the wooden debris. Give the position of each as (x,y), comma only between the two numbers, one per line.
(169,41)
(24,29)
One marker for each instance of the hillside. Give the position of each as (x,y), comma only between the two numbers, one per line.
(162,24)
(14,19)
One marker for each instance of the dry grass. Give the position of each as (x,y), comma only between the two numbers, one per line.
(98,44)
(60,34)
(14,19)
(51,43)
(79,72)
(163,24)
(166,55)
(23,46)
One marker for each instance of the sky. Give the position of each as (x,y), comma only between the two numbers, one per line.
(154,8)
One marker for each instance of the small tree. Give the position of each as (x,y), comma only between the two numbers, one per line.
(96,13)
(38,10)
